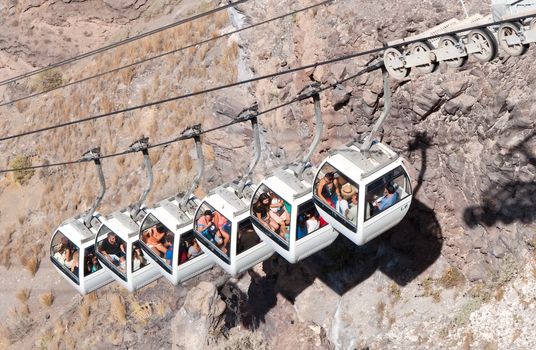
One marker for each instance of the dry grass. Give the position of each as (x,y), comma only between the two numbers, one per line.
(85,312)
(48,80)
(452,278)
(394,292)
(499,293)
(15,327)
(22,106)
(380,309)
(117,309)
(127,75)
(47,299)
(21,177)
(142,313)
(220,19)
(23,295)
(105,104)
(91,297)
(160,308)
(31,263)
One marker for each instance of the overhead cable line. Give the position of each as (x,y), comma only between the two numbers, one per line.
(122,42)
(206,41)
(254,79)
(202,132)
(188,95)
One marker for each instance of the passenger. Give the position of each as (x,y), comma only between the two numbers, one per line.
(113,250)
(352,211)
(73,263)
(224,228)
(390,197)
(169,247)
(208,228)
(194,250)
(277,206)
(138,260)
(183,251)
(94,265)
(154,241)
(346,194)
(279,214)
(261,208)
(64,252)
(313,223)
(326,189)
(247,238)
(301,228)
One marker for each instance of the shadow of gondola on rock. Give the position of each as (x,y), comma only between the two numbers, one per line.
(508,201)
(402,253)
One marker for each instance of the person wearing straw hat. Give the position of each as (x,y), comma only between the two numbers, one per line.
(351,214)
(347,190)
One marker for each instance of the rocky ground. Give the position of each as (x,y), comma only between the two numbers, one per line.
(458,272)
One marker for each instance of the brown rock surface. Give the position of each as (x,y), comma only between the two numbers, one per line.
(431,282)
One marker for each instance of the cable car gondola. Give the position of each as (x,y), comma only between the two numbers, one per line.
(166,234)
(72,251)
(282,209)
(222,222)
(364,189)
(117,246)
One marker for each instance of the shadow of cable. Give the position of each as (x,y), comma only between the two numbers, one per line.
(508,201)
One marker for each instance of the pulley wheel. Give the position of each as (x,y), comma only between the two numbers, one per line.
(424,47)
(389,57)
(452,41)
(484,40)
(505,31)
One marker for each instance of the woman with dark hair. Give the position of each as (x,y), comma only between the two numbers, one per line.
(261,209)
(327,189)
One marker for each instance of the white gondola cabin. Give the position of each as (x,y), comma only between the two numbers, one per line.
(73,254)
(224,230)
(167,238)
(117,244)
(119,251)
(284,216)
(363,194)
(71,249)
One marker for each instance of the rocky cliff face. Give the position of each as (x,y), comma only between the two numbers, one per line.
(462,261)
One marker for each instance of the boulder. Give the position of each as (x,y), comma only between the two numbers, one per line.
(203,312)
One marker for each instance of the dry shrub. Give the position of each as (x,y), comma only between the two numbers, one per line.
(221,19)
(91,297)
(15,327)
(160,308)
(394,292)
(23,295)
(22,106)
(47,299)
(21,177)
(143,96)
(186,164)
(233,50)
(31,263)
(452,278)
(85,312)
(127,75)
(48,80)
(117,309)
(105,104)
(141,312)
(46,341)
(38,247)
